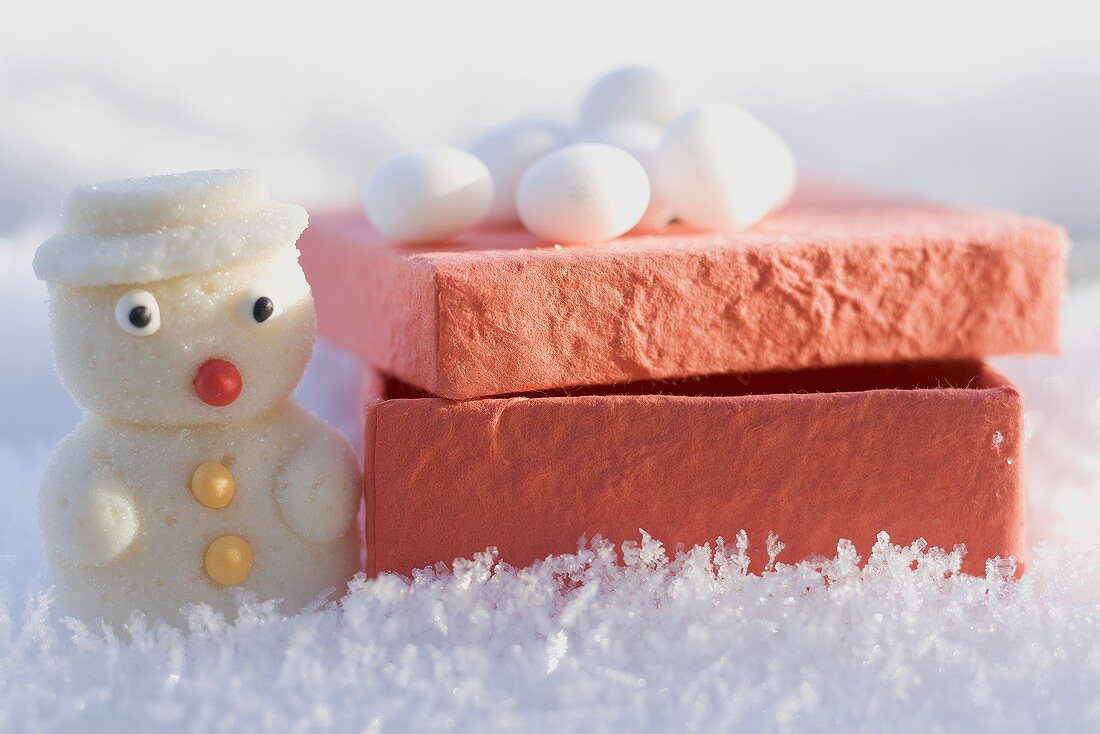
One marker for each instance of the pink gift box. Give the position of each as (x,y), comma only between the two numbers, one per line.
(524,395)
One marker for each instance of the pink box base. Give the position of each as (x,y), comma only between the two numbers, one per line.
(919,450)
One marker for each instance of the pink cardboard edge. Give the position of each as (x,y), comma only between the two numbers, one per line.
(836,278)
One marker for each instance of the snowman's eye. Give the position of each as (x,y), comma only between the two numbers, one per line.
(255,308)
(137,313)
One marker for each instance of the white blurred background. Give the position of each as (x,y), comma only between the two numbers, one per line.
(992,103)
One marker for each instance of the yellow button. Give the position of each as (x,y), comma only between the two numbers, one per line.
(228,560)
(213,485)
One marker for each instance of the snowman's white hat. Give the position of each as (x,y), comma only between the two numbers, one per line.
(147,229)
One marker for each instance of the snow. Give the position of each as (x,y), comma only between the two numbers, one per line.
(658,645)
(672,641)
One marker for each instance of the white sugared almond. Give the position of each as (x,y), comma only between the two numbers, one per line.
(429,195)
(583,193)
(720,168)
(631,93)
(507,152)
(639,139)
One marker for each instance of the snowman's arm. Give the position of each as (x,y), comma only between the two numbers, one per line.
(318,488)
(86,512)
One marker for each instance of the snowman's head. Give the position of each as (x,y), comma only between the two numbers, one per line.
(204,319)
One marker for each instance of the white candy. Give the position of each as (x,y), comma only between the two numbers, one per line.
(630,135)
(720,168)
(583,193)
(630,93)
(123,528)
(429,195)
(639,139)
(507,153)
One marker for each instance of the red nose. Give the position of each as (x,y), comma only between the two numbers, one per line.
(218,382)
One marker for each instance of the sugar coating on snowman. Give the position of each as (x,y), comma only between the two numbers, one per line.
(181,324)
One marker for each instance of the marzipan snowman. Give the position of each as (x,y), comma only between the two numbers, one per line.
(181,324)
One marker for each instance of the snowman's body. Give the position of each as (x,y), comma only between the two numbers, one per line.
(194,476)
(271,459)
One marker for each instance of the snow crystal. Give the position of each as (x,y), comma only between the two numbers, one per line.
(579,642)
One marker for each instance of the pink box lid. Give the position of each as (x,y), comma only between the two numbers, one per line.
(838,277)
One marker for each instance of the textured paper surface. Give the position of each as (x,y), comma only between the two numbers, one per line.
(531,475)
(835,278)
